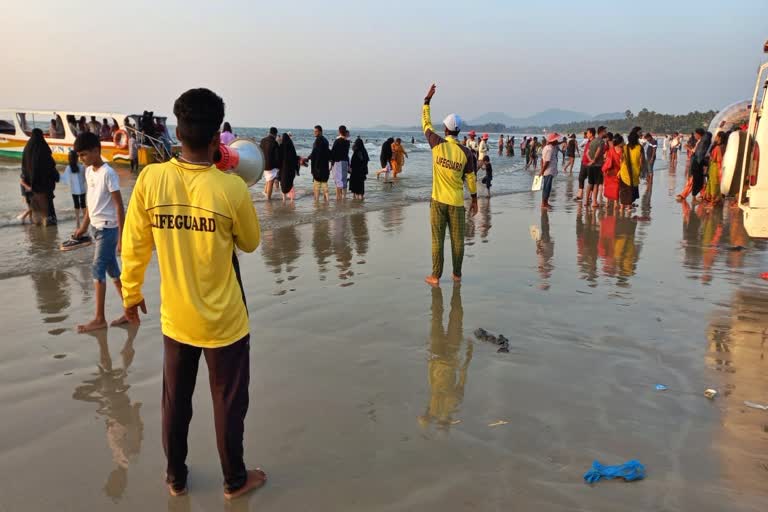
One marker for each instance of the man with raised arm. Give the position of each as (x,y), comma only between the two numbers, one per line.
(452,165)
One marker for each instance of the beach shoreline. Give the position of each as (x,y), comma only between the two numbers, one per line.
(370,392)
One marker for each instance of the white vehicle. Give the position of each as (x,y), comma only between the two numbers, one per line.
(751,169)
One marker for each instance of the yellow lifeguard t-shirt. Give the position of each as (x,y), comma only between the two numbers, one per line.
(452,165)
(193,216)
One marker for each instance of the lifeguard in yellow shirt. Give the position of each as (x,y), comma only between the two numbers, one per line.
(194,216)
(452,165)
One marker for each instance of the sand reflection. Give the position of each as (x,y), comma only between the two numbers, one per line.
(392,219)
(545,250)
(122,419)
(321,245)
(448,363)
(737,350)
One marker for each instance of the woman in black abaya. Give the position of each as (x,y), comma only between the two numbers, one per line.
(289,167)
(358,169)
(385,158)
(38,170)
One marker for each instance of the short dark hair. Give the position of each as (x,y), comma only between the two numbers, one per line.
(273,131)
(590,130)
(601,129)
(700,131)
(618,139)
(342,129)
(86,141)
(199,113)
(319,128)
(399,139)
(486,158)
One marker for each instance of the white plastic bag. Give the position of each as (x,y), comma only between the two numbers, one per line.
(536,183)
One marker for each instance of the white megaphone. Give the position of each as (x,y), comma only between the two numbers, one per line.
(243,158)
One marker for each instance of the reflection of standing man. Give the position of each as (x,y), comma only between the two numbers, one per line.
(452,163)
(545,251)
(447,373)
(125,430)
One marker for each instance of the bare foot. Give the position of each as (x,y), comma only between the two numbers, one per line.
(93,325)
(432,281)
(456,279)
(119,321)
(173,492)
(256,479)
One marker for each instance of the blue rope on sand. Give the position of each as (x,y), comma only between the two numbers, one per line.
(629,471)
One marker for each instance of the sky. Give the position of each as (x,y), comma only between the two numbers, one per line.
(298,63)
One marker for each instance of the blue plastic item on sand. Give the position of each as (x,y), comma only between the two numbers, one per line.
(661,387)
(629,471)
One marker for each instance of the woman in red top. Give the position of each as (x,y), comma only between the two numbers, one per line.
(611,168)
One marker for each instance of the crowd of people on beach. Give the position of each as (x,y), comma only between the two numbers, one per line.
(282,164)
(612,166)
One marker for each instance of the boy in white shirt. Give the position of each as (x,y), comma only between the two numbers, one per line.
(105,213)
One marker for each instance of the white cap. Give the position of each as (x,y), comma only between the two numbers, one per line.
(452,122)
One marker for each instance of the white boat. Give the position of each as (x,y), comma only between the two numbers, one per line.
(60,129)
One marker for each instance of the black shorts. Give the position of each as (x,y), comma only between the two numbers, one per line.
(595,175)
(79,201)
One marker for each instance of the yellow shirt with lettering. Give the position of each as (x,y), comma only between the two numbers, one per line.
(452,163)
(194,216)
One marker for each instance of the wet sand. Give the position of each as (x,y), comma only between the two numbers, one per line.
(370,392)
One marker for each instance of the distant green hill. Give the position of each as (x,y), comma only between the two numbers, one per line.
(649,120)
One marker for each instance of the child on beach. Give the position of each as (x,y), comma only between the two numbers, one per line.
(105,215)
(133,152)
(486,163)
(26,194)
(74,174)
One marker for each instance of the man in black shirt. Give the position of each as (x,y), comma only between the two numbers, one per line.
(320,158)
(340,162)
(271,150)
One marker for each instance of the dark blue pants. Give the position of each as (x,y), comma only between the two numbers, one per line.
(546,188)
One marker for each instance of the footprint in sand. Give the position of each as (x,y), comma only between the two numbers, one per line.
(344,285)
(56,332)
(54,319)
(291,278)
(281,292)
(60,356)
